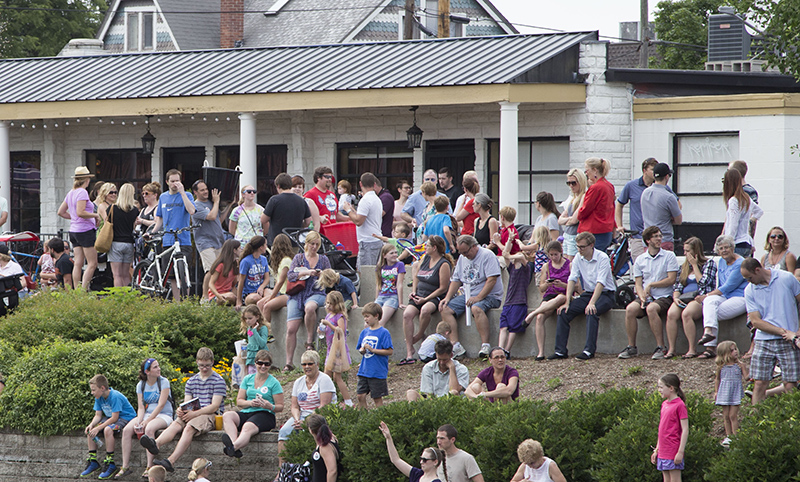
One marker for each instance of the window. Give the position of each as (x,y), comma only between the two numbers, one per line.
(120,166)
(270,161)
(543,166)
(391,162)
(140,30)
(25,189)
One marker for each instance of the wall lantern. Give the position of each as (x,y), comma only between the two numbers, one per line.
(414,133)
(148,139)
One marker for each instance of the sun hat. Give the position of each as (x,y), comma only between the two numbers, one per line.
(82,171)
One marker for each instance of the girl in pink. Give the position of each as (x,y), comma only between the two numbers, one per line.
(673,429)
(336,319)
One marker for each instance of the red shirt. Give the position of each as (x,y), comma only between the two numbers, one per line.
(326,202)
(469,221)
(669,428)
(504,233)
(596,215)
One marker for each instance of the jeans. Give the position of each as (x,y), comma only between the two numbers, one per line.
(577,307)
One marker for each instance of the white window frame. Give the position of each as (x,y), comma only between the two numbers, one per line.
(139,12)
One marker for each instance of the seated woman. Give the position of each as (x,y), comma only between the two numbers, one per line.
(727,300)
(279,262)
(224,271)
(553,285)
(502,381)
(260,398)
(253,272)
(535,466)
(698,276)
(430,460)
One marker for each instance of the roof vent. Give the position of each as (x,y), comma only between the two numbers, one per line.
(727,38)
(276,7)
(82,47)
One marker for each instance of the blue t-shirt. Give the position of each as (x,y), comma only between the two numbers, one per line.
(372,365)
(343,286)
(435,226)
(175,216)
(389,276)
(254,271)
(270,388)
(151,394)
(116,402)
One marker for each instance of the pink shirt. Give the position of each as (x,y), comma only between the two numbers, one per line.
(669,429)
(78,224)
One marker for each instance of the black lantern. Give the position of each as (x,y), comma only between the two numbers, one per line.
(148,139)
(414,133)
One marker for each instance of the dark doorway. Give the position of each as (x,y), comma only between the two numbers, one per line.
(188,160)
(458,155)
(270,161)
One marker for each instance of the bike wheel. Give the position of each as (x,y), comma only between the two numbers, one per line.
(145,279)
(182,277)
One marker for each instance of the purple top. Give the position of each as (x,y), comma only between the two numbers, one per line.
(311,289)
(518,281)
(78,224)
(561,274)
(389,275)
(334,319)
(387,218)
(487,376)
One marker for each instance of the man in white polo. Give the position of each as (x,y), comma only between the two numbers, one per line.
(367,218)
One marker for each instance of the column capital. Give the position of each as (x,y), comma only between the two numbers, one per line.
(247,115)
(506,105)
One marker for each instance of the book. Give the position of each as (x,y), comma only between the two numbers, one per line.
(193,404)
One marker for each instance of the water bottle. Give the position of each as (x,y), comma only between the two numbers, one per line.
(321,330)
(98,441)
(339,246)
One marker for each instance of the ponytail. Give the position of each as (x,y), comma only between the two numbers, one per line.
(672,380)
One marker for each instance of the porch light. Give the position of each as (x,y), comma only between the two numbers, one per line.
(414,133)
(148,139)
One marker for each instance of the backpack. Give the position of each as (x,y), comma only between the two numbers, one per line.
(295,472)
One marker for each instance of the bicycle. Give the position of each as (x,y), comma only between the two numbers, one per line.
(151,275)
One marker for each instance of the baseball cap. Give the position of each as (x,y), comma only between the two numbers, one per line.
(661,170)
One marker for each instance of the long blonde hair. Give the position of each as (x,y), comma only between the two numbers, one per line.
(125,199)
(725,355)
(103,192)
(337,303)
(582,183)
(541,236)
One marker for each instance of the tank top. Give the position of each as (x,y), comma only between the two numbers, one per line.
(781,264)
(318,463)
(571,228)
(561,274)
(542,474)
(482,234)
(427,277)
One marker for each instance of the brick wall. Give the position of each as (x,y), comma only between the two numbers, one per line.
(231,25)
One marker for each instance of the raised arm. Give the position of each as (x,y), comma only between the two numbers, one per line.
(401,464)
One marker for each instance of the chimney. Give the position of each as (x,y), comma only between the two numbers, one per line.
(231,25)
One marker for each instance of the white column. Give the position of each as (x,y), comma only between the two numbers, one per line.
(247,149)
(419,168)
(509,151)
(5,166)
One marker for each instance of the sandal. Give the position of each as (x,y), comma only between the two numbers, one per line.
(669,355)
(145,474)
(310,346)
(706,338)
(407,361)
(707,354)
(123,472)
(689,356)
(288,368)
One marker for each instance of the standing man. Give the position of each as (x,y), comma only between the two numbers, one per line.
(174,211)
(633,192)
(387,213)
(592,268)
(479,270)
(324,197)
(367,219)
(772,298)
(443,376)
(461,466)
(655,273)
(416,203)
(208,237)
(447,187)
(660,206)
(285,209)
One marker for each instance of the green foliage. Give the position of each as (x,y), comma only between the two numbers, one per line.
(781,22)
(634,370)
(43,28)
(765,448)
(7,357)
(47,391)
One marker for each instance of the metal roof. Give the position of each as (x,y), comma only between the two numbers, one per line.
(425,63)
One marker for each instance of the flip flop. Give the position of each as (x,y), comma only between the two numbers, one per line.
(689,356)
(407,361)
(708,354)
(310,346)
(669,355)
(288,368)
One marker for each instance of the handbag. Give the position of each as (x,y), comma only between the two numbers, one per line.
(295,472)
(687,298)
(106,235)
(295,287)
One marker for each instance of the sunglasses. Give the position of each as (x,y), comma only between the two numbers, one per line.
(572,183)
(422,460)
(308,364)
(430,179)
(112,192)
(775,236)
(264,363)
(328,176)
(249,191)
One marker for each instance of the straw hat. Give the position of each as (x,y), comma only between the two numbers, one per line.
(82,171)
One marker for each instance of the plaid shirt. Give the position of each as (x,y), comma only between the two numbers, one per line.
(706,284)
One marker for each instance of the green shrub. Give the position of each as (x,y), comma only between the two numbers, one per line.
(7,357)
(48,393)
(765,448)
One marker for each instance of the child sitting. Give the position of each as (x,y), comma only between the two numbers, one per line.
(375,343)
(426,349)
(401,240)
(329,280)
(507,215)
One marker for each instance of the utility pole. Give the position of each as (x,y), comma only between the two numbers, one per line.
(408,20)
(444,18)
(643,24)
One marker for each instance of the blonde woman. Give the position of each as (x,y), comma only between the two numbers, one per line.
(576,180)
(245,220)
(82,226)
(200,470)
(106,196)
(123,214)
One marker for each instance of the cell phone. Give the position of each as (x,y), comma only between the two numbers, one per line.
(551,280)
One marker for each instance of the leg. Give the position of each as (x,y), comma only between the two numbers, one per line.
(673,315)
(734,417)
(692,312)
(119,270)
(632,312)
(511,337)
(108,435)
(337,377)
(150,430)
(408,328)
(501,342)
(759,391)
(206,279)
(481,323)
(710,320)
(540,332)
(275,304)
(127,442)
(378,401)
(176,293)
(424,320)
(474,389)
(91,265)
(248,430)
(252,299)
(77,268)
(412,395)
(388,312)
(183,444)
(576,307)
(726,414)
(362,400)
(654,317)
(311,320)
(449,317)
(230,425)
(291,339)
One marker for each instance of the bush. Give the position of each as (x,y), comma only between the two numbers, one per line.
(47,391)
(7,358)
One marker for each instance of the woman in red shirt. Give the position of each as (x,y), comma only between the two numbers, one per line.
(596,215)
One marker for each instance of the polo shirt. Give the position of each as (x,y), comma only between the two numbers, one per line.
(436,382)
(776,302)
(655,268)
(659,206)
(592,271)
(415,205)
(633,192)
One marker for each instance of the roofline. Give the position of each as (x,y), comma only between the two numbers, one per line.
(710,106)
(101,33)
(375,12)
(703,77)
(276,102)
(498,17)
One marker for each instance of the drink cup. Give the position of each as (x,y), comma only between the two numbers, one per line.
(218,422)
(138,430)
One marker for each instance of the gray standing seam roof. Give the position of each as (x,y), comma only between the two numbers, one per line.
(424,63)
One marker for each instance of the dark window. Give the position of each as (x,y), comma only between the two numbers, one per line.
(120,166)
(458,155)
(25,189)
(188,160)
(391,162)
(270,161)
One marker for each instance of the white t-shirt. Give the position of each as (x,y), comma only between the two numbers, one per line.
(308,398)
(371,207)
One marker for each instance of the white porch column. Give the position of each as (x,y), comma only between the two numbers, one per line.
(419,168)
(247,149)
(5,166)
(509,151)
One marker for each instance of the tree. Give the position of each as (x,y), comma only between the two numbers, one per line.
(684,24)
(781,39)
(41,28)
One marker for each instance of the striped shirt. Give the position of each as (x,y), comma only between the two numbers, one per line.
(204,390)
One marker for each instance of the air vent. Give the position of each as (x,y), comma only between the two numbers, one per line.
(727,38)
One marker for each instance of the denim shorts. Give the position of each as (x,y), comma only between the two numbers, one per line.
(390,301)
(459,307)
(120,252)
(295,312)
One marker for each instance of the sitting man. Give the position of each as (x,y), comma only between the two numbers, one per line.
(210,389)
(478,269)
(592,269)
(655,272)
(442,376)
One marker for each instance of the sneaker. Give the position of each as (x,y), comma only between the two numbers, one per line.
(776,372)
(556,356)
(149,443)
(507,354)
(458,350)
(92,466)
(109,469)
(658,353)
(628,352)
(270,339)
(165,463)
(749,393)
(584,355)
(484,353)
(726,442)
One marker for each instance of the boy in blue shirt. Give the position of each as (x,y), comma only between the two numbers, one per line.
(112,412)
(375,343)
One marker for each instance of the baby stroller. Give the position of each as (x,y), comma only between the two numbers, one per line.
(622,269)
(340,259)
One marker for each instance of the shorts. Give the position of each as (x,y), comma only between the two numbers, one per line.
(512,317)
(203,423)
(668,464)
(120,252)
(368,254)
(570,249)
(85,239)
(207,257)
(376,387)
(264,420)
(390,301)
(295,312)
(767,352)
(435,302)
(288,427)
(663,303)
(459,307)
(551,296)
(168,419)
(118,425)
